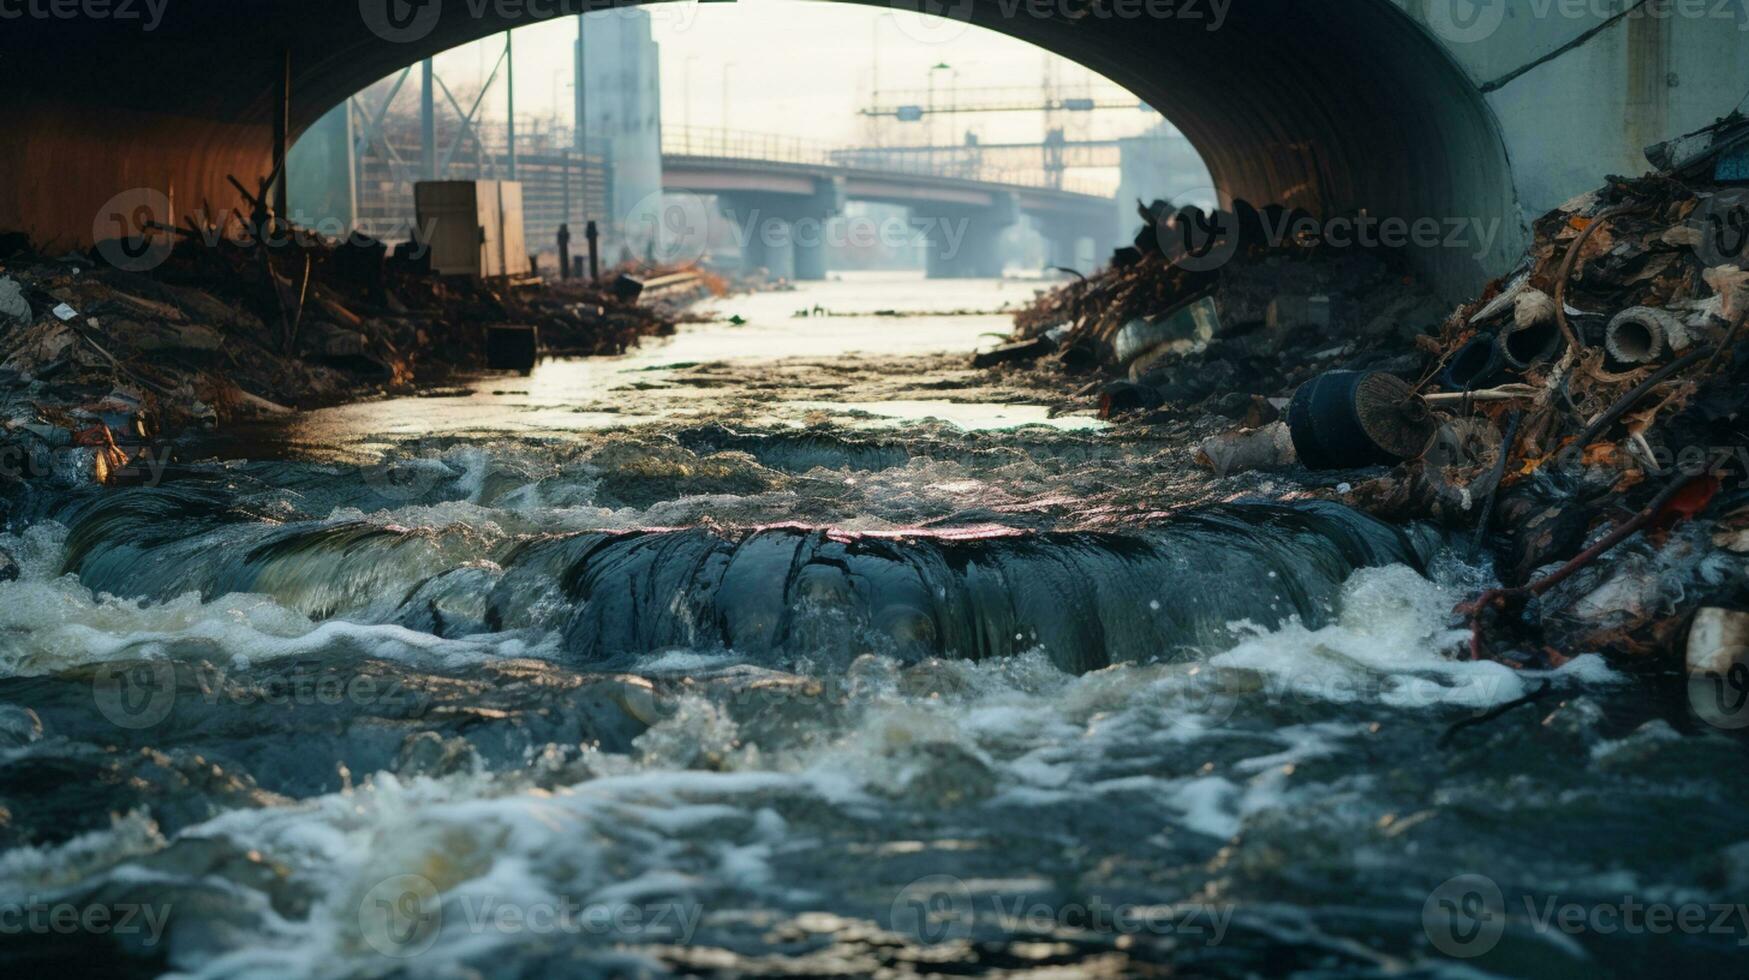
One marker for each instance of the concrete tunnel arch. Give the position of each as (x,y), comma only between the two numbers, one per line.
(1336,106)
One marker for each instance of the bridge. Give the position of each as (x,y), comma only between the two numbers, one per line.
(1413,109)
(777,188)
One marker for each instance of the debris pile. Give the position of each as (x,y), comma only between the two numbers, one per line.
(1246,300)
(1591,403)
(100,363)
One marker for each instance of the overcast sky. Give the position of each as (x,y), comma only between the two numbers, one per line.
(804,68)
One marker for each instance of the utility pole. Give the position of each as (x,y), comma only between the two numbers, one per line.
(281,131)
(428,120)
(510,104)
(579,118)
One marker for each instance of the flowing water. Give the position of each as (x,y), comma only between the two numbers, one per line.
(798,648)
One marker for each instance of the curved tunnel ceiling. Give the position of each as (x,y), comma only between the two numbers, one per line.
(1336,106)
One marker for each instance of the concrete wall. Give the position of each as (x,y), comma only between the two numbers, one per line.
(1668,67)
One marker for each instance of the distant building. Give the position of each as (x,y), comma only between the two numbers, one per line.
(621,104)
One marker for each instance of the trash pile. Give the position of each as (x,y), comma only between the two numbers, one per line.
(1244,300)
(100,364)
(1599,391)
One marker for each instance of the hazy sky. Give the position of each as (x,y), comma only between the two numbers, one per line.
(804,68)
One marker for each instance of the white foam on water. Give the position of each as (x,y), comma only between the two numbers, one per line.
(691,817)
(51,622)
(1391,644)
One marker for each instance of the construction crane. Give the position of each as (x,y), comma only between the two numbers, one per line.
(1055,151)
(915,112)
(907,107)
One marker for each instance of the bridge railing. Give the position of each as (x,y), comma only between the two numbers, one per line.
(963,162)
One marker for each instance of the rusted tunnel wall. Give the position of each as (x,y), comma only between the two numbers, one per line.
(1334,105)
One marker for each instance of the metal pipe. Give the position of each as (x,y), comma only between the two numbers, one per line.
(510,105)
(428,120)
(1640,334)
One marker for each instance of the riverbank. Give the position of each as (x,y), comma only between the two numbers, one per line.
(665,648)
(107,371)
(1594,393)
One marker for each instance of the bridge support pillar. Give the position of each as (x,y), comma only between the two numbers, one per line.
(761,241)
(1067,235)
(965,243)
(784,233)
(808,259)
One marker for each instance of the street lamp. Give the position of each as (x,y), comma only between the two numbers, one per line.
(933,140)
(727,65)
